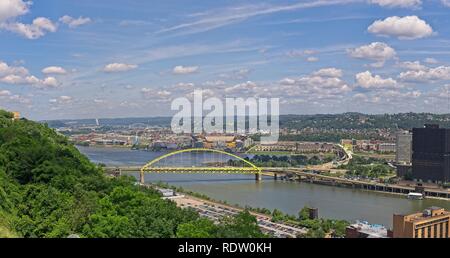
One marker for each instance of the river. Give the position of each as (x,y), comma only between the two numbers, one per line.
(289,197)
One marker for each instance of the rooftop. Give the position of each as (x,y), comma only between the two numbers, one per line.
(371,230)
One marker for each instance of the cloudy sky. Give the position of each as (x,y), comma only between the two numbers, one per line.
(88,59)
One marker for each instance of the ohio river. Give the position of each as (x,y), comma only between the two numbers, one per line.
(289,197)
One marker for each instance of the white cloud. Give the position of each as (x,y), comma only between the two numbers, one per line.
(54,70)
(415,66)
(398,3)
(37,29)
(430,60)
(50,82)
(74,22)
(118,67)
(446,2)
(368,81)
(238,74)
(408,27)
(218,18)
(20,99)
(427,75)
(4,93)
(99,101)
(376,51)
(5,69)
(312,59)
(156,95)
(248,87)
(300,53)
(20,75)
(325,83)
(13,8)
(179,69)
(329,72)
(214,83)
(62,100)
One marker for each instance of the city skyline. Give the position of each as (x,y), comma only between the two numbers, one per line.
(130,59)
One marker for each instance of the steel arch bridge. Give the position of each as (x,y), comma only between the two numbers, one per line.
(150,166)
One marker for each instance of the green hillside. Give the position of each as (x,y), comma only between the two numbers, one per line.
(48,189)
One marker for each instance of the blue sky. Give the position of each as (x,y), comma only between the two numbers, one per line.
(87,59)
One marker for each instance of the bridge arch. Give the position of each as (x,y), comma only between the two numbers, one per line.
(147,167)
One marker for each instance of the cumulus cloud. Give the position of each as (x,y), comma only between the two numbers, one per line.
(368,81)
(324,83)
(312,59)
(74,22)
(156,95)
(13,8)
(118,67)
(376,51)
(214,83)
(248,87)
(4,93)
(415,66)
(426,75)
(19,75)
(408,27)
(329,72)
(54,70)
(6,69)
(430,60)
(179,69)
(237,74)
(61,100)
(38,28)
(20,99)
(48,82)
(398,3)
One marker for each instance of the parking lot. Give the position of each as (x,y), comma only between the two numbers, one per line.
(215,212)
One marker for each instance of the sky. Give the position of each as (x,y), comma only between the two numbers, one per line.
(98,59)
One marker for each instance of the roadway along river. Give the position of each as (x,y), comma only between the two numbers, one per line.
(289,197)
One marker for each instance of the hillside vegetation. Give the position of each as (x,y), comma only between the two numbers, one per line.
(48,189)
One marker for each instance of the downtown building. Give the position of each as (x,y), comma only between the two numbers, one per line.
(403,153)
(433,222)
(431,154)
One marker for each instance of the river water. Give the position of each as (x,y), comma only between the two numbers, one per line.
(289,197)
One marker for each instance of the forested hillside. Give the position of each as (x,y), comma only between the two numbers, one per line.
(48,189)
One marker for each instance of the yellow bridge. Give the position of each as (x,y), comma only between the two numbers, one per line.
(154,166)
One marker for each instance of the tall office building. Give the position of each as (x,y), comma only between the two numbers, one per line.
(433,222)
(431,154)
(403,147)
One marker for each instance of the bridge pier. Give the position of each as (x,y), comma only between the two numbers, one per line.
(141,177)
(258,177)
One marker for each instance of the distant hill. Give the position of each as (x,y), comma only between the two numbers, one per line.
(323,121)
(364,121)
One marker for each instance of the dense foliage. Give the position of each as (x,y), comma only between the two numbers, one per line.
(48,189)
(367,167)
(317,227)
